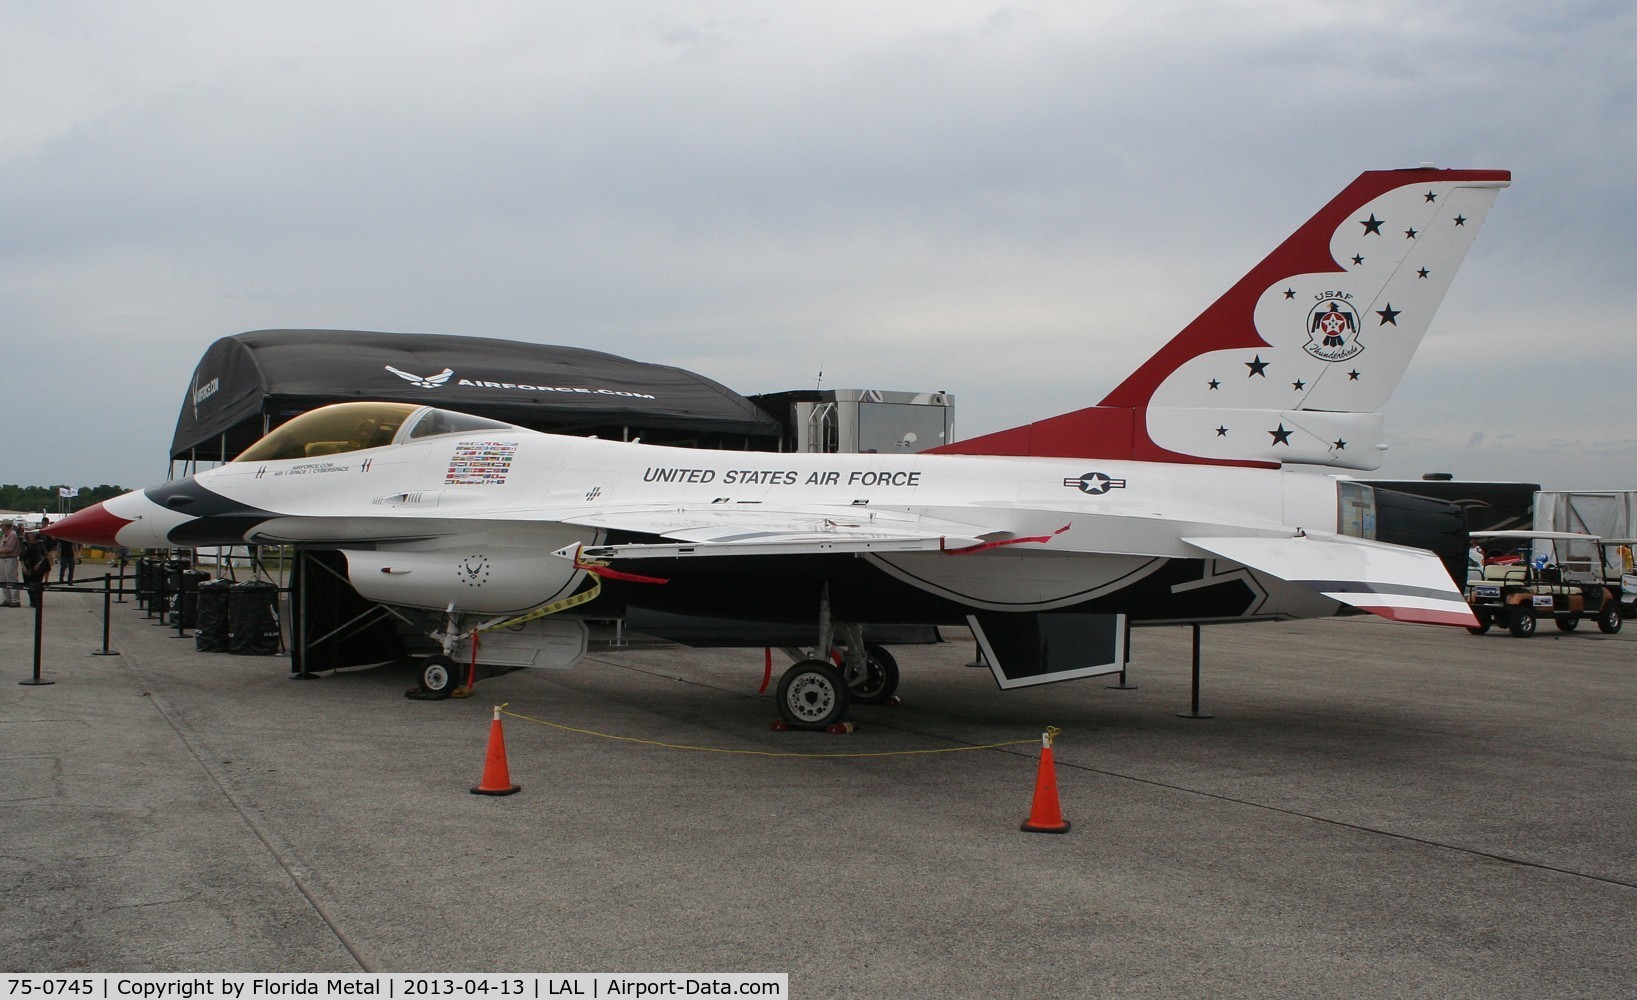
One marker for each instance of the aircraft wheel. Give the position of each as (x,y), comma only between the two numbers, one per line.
(1568,623)
(1609,620)
(880,679)
(1523,623)
(439,676)
(812,693)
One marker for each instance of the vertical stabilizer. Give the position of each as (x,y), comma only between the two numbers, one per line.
(1291,363)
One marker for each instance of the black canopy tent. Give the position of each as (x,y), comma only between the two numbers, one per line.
(249,383)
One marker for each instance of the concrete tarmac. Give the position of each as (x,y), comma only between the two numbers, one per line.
(1375,809)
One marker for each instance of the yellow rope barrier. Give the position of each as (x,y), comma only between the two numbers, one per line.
(757,753)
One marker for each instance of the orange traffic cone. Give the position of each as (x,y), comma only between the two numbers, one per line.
(497,779)
(1045,815)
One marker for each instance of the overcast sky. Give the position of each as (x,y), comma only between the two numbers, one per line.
(1014,203)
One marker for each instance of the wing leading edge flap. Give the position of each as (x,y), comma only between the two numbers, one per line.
(1403,584)
(740,532)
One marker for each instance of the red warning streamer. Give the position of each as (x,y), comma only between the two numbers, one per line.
(982,546)
(602,570)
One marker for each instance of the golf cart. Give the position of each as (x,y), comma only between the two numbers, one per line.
(1516,578)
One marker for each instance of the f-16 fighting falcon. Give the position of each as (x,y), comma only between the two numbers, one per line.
(1196,491)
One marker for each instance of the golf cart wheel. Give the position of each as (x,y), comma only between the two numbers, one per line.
(1522,624)
(1568,623)
(1609,619)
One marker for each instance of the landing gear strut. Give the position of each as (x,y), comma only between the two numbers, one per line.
(814,693)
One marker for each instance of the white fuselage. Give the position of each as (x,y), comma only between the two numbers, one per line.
(497,502)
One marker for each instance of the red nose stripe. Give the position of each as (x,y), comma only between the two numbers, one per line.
(91,526)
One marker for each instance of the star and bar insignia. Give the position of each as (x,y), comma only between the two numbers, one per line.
(1095,483)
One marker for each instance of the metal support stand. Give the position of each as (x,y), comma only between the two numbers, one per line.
(1195,713)
(39,628)
(107,606)
(304,569)
(977,657)
(1125,662)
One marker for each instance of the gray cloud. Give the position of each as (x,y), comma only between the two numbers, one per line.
(1015,204)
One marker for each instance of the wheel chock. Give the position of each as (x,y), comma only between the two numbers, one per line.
(839,728)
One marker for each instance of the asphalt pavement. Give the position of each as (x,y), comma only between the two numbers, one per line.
(1374,809)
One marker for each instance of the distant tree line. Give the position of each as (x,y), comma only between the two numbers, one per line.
(47,498)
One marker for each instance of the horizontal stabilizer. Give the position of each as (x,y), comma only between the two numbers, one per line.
(1403,584)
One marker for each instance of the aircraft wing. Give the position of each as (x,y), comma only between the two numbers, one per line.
(738,531)
(1403,584)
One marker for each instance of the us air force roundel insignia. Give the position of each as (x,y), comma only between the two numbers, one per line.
(1095,483)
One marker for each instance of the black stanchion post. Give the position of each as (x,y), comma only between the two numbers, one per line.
(107,612)
(39,629)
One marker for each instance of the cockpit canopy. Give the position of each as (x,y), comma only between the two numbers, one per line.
(345,427)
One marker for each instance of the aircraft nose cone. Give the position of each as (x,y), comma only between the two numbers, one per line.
(95,525)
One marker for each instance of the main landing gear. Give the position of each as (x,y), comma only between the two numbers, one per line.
(815,693)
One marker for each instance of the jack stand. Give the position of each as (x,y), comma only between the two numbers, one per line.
(1125,663)
(1195,713)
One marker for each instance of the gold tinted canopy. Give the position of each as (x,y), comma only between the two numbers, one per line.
(345,427)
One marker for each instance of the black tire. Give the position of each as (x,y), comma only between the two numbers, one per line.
(1568,623)
(812,694)
(439,677)
(1522,624)
(1609,619)
(1479,629)
(880,680)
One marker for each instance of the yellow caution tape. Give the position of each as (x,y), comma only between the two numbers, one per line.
(583,597)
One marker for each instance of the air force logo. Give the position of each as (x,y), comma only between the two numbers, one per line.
(430,382)
(1095,483)
(1332,328)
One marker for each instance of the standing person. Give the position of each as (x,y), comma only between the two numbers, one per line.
(10,546)
(36,559)
(67,556)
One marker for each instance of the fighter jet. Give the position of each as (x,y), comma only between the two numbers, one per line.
(1199,490)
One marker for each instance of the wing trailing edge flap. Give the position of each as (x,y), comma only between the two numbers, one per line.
(1403,584)
(735,531)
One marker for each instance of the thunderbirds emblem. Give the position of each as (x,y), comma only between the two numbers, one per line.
(1332,328)
(430,382)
